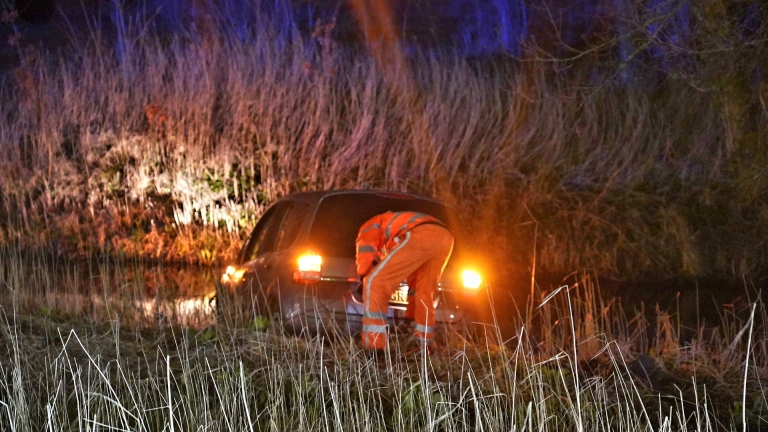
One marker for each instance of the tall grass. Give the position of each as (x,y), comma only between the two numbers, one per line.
(586,364)
(146,145)
(171,147)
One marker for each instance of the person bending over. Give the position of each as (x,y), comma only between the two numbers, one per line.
(393,247)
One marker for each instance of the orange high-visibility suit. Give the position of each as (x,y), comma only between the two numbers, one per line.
(412,247)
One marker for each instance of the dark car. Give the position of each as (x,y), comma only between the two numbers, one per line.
(298,265)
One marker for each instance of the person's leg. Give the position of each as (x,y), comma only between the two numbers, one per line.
(378,287)
(423,303)
(426,278)
(410,307)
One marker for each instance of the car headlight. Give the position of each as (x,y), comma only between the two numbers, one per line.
(471,279)
(232,275)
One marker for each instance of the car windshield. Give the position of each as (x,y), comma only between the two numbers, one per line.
(339,217)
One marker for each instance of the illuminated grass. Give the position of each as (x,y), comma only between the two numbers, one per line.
(173,149)
(584,364)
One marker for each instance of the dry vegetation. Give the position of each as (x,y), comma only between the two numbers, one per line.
(171,146)
(103,346)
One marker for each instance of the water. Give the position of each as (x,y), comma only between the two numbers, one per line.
(150,294)
(133,292)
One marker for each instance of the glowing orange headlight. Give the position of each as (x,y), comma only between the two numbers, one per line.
(471,279)
(232,275)
(309,267)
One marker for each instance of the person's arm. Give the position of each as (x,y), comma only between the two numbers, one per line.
(366,244)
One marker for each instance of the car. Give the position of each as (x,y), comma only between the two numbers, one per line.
(298,265)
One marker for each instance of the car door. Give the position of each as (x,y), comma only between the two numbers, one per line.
(271,238)
(258,255)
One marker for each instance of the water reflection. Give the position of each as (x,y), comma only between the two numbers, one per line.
(133,292)
(198,310)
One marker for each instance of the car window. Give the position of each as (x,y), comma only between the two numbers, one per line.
(339,217)
(289,229)
(264,236)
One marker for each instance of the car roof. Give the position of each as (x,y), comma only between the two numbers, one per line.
(313,197)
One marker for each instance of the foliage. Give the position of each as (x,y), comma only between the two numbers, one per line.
(171,145)
(129,346)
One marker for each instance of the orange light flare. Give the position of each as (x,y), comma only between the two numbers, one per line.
(232,275)
(309,267)
(471,279)
(379,27)
(310,263)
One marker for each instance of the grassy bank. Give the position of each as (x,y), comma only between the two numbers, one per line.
(171,146)
(586,363)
